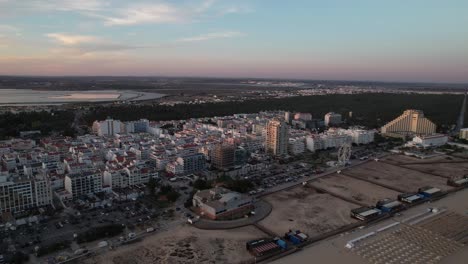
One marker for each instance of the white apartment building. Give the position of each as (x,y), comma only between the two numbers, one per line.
(303,116)
(23,193)
(83,183)
(332,118)
(117,178)
(359,136)
(108,127)
(175,168)
(296,146)
(138,126)
(325,141)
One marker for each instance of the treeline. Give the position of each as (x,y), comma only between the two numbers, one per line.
(58,121)
(372,110)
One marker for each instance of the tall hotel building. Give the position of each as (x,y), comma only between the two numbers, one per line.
(411,122)
(277,138)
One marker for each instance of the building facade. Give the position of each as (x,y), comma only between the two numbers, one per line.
(222,156)
(276,138)
(296,146)
(463,133)
(222,204)
(411,122)
(303,116)
(19,194)
(84,183)
(192,163)
(108,127)
(430,141)
(332,118)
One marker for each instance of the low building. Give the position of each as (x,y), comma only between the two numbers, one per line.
(410,198)
(429,191)
(222,204)
(463,133)
(430,140)
(458,182)
(389,205)
(365,213)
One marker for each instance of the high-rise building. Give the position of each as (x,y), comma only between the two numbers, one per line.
(222,156)
(287,117)
(411,122)
(108,127)
(276,138)
(332,118)
(138,126)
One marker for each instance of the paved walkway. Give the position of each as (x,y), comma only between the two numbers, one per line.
(262,210)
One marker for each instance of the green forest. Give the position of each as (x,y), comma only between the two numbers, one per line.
(371,110)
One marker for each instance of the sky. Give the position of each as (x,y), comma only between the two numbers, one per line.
(398,40)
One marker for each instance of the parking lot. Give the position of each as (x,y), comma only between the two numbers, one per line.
(136,215)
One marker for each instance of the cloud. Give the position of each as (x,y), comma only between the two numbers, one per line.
(8,28)
(235,10)
(8,35)
(144,14)
(204,6)
(83,44)
(67,39)
(126,13)
(64,5)
(161,13)
(216,35)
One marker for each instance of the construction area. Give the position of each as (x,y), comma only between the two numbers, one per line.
(306,209)
(316,211)
(433,232)
(361,192)
(396,177)
(185,244)
(447,170)
(403,159)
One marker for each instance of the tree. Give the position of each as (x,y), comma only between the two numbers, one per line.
(201,184)
(151,186)
(172,196)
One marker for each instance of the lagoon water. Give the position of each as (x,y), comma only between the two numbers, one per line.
(29,96)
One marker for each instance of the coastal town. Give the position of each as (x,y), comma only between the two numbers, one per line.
(129,179)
